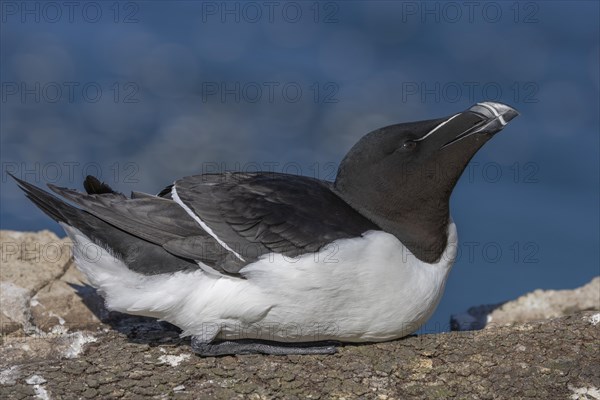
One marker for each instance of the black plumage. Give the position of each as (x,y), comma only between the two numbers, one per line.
(254,214)
(259,213)
(139,255)
(92,185)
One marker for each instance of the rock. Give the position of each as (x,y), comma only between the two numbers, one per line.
(543,304)
(553,359)
(32,259)
(537,305)
(60,342)
(37,348)
(68,302)
(15,308)
(29,262)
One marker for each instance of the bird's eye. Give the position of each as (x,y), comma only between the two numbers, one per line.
(409,145)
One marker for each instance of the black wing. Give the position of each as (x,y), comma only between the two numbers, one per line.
(225,221)
(156,220)
(140,255)
(258,213)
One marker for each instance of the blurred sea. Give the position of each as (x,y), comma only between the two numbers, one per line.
(141,93)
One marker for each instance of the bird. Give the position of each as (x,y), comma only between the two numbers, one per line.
(275,263)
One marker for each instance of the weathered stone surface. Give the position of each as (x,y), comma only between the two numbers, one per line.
(534,306)
(32,259)
(29,261)
(551,359)
(15,313)
(69,303)
(61,343)
(543,304)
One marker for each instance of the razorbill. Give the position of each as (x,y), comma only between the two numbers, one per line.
(283,264)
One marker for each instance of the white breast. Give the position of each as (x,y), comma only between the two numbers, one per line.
(363,289)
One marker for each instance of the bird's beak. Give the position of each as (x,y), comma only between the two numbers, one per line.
(485,118)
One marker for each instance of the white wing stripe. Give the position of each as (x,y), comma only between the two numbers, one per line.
(200,222)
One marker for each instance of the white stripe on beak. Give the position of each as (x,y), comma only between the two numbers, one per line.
(437,127)
(494,111)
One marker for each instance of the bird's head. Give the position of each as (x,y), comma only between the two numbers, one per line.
(401,176)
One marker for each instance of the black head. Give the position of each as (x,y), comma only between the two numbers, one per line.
(401,176)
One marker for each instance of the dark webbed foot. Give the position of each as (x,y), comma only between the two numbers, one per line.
(250,346)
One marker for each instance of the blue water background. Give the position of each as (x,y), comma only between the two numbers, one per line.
(185,89)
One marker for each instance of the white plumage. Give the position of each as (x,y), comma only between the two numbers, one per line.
(368,288)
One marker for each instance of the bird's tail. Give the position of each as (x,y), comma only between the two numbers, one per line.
(136,253)
(54,207)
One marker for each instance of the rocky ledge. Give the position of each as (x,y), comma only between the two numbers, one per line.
(59,342)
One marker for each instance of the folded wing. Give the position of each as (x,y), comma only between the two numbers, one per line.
(258,213)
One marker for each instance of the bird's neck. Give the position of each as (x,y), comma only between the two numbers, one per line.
(422,226)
